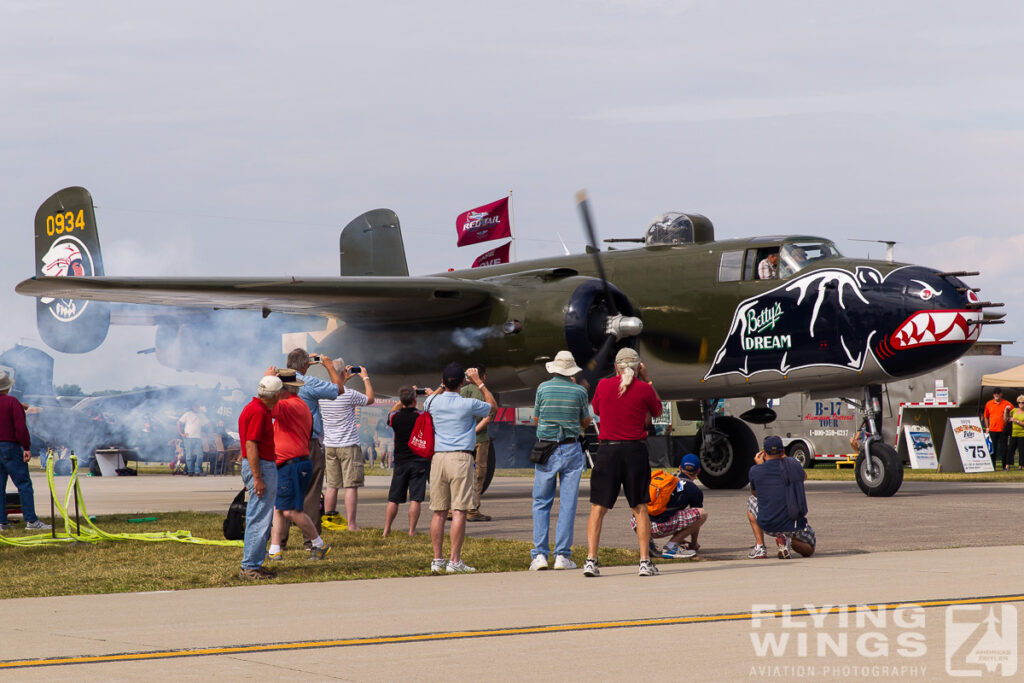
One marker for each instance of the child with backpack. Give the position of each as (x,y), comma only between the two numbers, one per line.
(676,509)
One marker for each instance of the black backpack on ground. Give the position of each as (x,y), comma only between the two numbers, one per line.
(234,523)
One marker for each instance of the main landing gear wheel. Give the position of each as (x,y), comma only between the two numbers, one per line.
(880,474)
(726,453)
(799,451)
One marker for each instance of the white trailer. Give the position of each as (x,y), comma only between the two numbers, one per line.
(818,429)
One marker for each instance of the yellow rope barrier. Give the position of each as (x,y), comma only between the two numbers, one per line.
(87,532)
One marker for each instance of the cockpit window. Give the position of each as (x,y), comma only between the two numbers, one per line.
(668,229)
(796,256)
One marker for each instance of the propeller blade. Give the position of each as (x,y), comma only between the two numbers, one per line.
(595,366)
(584,205)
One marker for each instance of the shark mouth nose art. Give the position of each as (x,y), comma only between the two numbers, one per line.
(925,328)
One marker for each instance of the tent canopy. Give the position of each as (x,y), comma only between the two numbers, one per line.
(1014,378)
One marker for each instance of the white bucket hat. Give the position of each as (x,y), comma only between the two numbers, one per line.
(5,381)
(563,364)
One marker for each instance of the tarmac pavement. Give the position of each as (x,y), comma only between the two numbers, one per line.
(873,551)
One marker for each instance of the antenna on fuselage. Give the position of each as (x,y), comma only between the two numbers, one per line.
(888,246)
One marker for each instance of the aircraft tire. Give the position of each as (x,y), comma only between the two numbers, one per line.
(889,475)
(799,451)
(731,463)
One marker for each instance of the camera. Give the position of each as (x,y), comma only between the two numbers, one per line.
(355,370)
(421,392)
(315,358)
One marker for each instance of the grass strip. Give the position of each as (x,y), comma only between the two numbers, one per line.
(126,567)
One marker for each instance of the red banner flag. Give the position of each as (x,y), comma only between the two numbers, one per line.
(484,223)
(493,257)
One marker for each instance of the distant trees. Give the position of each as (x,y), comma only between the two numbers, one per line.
(68,390)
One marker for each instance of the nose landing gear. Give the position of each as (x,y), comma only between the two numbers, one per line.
(879,469)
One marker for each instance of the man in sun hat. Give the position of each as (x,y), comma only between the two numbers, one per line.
(15,452)
(259,474)
(561,411)
(624,403)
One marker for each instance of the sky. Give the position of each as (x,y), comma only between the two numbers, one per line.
(237,139)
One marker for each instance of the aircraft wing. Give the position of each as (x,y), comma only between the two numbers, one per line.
(369,299)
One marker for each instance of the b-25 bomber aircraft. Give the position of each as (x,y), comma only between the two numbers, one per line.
(709,318)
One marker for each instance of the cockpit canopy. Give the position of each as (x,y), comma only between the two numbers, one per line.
(674,227)
(795,256)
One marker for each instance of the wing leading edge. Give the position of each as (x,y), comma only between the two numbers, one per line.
(354,299)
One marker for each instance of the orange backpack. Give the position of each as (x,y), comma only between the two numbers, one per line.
(662,486)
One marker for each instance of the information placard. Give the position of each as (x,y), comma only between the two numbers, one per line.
(970,443)
(920,448)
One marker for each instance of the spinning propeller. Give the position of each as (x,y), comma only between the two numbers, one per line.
(617,326)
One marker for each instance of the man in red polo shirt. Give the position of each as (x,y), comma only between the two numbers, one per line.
(259,474)
(293,424)
(623,403)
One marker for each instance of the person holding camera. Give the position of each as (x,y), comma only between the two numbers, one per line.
(452,467)
(561,411)
(409,478)
(624,404)
(311,393)
(483,447)
(344,458)
(779,503)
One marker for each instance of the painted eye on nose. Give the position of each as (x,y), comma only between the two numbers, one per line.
(924,290)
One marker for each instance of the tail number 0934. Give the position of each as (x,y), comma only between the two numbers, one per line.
(65,222)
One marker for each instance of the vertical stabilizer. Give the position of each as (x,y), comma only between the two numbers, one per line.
(372,245)
(68,245)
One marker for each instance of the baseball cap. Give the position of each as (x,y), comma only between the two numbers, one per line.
(270,384)
(690,463)
(453,371)
(773,445)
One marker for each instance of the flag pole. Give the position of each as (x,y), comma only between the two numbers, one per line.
(511,225)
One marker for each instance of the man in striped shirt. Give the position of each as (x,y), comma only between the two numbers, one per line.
(561,411)
(344,459)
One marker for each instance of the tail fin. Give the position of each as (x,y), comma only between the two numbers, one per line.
(371,244)
(68,245)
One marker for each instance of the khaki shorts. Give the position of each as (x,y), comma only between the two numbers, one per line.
(343,467)
(452,481)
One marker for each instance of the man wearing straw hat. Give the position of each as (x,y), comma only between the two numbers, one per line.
(561,412)
(624,404)
(15,445)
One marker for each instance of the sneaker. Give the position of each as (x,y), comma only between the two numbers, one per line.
(319,553)
(564,562)
(267,573)
(647,568)
(38,524)
(477,516)
(677,553)
(785,547)
(459,567)
(653,548)
(437,565)
(590,567)
(276,557)
(758,552)
(251,575)
(540,563)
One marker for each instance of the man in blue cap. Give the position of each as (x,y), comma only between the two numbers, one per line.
(684,514)
(779,502)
